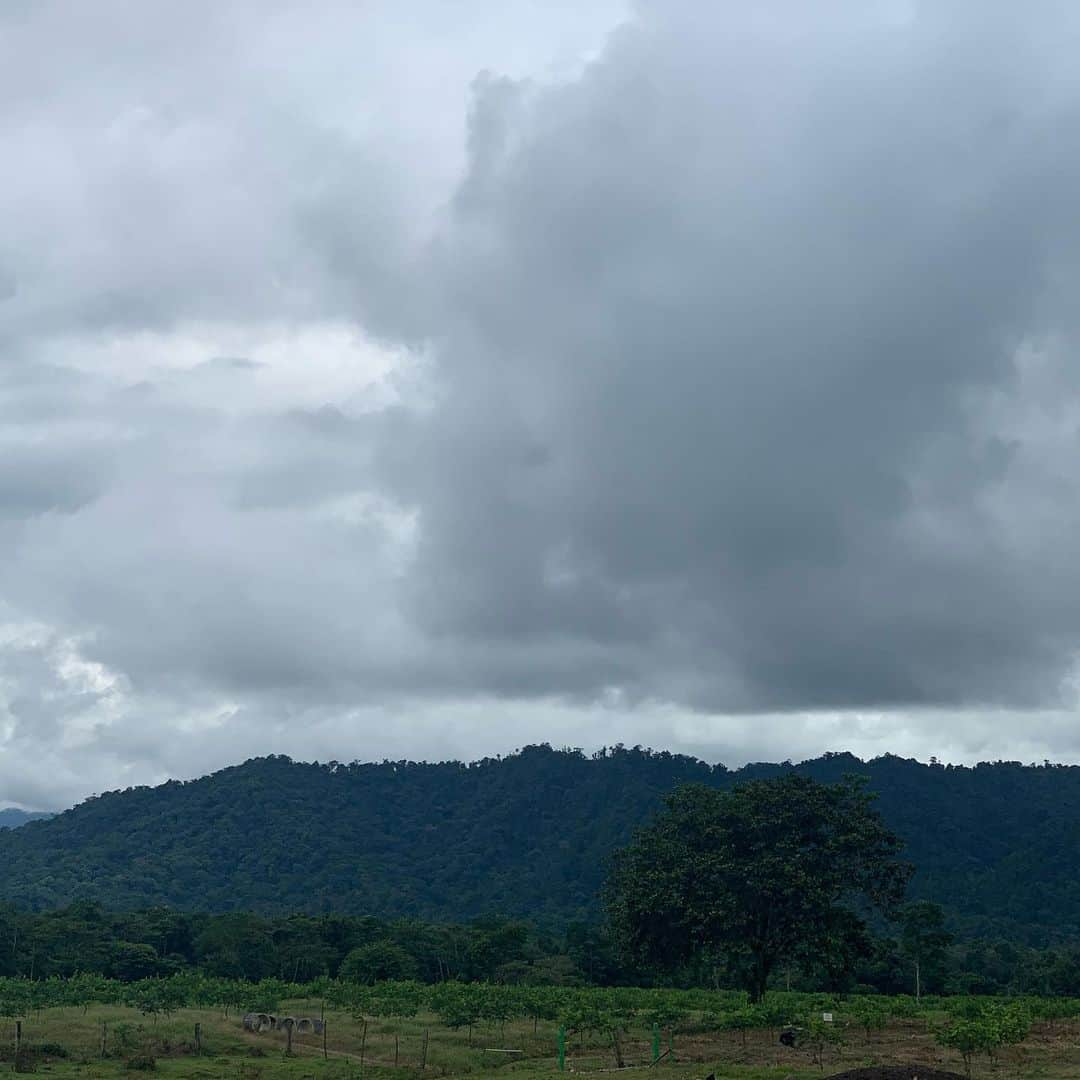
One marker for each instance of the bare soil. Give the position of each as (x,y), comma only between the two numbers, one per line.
(896,1072)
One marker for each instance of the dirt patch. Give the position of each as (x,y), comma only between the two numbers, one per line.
(896,1072)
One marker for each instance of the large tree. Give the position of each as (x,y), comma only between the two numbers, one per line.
(768,871)
(924,941)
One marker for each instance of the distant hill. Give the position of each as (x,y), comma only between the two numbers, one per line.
(526,835)
(12,818)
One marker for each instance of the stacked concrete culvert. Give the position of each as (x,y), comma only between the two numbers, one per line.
(260,1022)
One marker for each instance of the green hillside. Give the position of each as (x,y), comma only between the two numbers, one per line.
(527,835)
(12,818)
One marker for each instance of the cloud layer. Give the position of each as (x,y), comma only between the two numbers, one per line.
(675,374)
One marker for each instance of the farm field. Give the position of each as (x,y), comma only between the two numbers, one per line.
(66,1040)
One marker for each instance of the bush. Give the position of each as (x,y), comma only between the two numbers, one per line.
(25,1061)
(820,1034)
(123,1038)
(870,1014)
(740,1020)
(985,1030)
(52,1050)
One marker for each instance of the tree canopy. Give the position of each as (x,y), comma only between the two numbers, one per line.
(769,870)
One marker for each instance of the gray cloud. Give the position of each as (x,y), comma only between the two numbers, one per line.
(689,376)
(715,352)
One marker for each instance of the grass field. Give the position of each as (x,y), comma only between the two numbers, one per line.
(67,1042)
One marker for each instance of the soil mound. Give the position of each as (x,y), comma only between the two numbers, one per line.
(897,1072)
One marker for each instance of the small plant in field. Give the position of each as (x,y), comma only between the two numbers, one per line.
(539,1003)
(457,1006)
(14,998)
(587,1013)
(126,1038)
(155,996)
(142,1062)
(965,1008)
(819,1035)
(666,1015)
(1054,1009)
(1012,1022)
(741,1020)
(266,995)
(986,1031)
(905,1007)
(497,1005)
(967,1037)
(870,1015)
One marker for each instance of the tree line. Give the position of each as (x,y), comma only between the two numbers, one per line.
(129,946)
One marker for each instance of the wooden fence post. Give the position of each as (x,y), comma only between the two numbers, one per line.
(363,1044)
(423,1052)
(198,1038)
(324,1036)
(104,1036)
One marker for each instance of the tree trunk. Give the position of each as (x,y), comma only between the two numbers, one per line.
(756,976)
(918,982)
(759,980)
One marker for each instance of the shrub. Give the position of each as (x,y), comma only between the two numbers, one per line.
(985,1031)
(869,1014)
(819,1035)
(143,1062)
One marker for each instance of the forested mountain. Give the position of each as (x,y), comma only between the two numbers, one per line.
(998,845)
(11,818)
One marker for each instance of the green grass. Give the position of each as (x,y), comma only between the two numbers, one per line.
(230,1052)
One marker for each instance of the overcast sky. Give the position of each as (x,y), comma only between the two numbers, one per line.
(426,379)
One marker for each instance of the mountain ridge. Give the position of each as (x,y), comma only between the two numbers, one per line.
(11,817)
(525,835)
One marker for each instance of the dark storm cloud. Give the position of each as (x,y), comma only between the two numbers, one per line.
(718,319)
(719,391)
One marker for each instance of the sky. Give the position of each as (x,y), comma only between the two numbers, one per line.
(427,380)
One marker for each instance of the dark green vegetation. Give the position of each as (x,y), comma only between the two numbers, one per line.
(528,836)
(767,872)
(133,945)
(84,939)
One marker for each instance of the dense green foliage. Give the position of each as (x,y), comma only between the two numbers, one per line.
(998,846)
(84,939)
(87,941)
(764,872)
